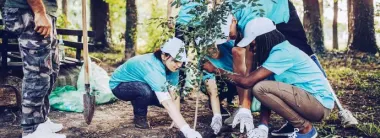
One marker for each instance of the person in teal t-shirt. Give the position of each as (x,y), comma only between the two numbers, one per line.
(300,92)
(219,55)
(151,79)
(284,15)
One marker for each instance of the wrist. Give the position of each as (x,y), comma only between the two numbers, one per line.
(217,115)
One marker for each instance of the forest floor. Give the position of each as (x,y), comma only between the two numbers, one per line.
(356,80)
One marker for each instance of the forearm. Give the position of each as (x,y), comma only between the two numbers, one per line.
(174,113)
(169,9)
(37,6)
(237,79)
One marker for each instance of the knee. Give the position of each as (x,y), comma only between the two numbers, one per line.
(261,88)
(238,52)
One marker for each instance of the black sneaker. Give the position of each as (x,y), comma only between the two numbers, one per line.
(286,130)
(141,122)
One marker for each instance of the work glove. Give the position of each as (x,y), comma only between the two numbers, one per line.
(216,123)
(190,133)
(259,132)
(244,117)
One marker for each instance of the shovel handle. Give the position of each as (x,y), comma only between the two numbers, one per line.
(85,43)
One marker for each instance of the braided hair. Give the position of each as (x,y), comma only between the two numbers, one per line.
(264,44)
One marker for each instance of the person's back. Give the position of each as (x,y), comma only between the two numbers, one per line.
(144,68)
(292,66)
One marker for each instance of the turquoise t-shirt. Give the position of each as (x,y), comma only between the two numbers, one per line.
(292,66)
(184,17)
(145,68)
(224,62)
(276,10)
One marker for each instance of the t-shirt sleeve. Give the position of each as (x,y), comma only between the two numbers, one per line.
(279,61)
(156,81)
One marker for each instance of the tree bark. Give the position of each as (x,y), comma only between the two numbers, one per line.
(335,26)
(130,33)
(350,18)
(100,21)
(363,31)
(64,12)
(313,25)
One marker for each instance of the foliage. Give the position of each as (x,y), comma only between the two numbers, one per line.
(370,129)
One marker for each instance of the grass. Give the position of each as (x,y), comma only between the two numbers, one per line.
(112,56)
(370,129)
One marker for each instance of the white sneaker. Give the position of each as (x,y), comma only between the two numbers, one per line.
(43,131)
(53,127)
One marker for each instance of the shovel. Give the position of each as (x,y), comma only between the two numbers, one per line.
(88,97)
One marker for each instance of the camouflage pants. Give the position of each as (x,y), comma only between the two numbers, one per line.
(40,65)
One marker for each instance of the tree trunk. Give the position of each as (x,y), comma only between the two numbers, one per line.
(363,31)
(130,33)
(350,17)
(64,13)
(320,3)
(313,25)
(335,26)
(99,23)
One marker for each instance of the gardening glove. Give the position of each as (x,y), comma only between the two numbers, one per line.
(259,132)
(216,123)
(244,117)
(190,133)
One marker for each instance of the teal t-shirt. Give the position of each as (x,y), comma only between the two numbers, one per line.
(225,61)
(276,10)
(50,5)
(292,66)
(145,68)
(184,17)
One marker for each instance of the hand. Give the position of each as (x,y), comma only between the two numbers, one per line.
(244,117)
(216,123)
(42,24)
(170,23)
(190,133)
(209,67)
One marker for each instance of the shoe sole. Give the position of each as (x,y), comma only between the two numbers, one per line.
(286,135)
(281,134)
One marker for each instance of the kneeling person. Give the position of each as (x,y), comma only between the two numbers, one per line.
(149,79)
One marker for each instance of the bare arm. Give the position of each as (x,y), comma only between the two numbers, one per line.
(174,113)
(169,14)
(240,80)
(42,22)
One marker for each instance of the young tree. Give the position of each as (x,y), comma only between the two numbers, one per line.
(361,26)
(335,25)
(100,21)
(313,25)
(130,33)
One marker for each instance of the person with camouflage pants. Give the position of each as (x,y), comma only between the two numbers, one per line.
(33,21)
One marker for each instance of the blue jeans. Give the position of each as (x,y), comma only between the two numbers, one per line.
(315,59)
(139,93)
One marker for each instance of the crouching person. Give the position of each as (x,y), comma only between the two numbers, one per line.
(147,79)
(300,92)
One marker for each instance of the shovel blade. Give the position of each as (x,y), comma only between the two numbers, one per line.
(89,107)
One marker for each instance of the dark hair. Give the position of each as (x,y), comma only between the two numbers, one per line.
(158,53)
(265,43)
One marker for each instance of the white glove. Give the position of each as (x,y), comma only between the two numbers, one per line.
(244,117)
(216,123)
(190,133)
(259,132)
